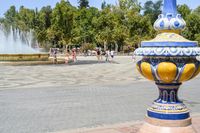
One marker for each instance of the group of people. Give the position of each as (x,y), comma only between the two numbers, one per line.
(72,53)
(108,55)
(53,53)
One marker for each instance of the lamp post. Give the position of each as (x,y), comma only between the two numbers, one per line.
(169,60)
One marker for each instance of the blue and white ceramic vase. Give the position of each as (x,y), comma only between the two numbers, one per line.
(169,60)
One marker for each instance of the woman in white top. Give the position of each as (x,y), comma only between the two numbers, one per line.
(112,54)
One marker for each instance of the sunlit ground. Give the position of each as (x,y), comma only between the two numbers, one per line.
(40,99)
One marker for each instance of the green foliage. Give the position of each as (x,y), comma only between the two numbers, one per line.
(1,20)
(129,5)
(119,27)
(88,46)
(10,15)
(83,3)
(61,24)
(140,28)
(193,26)
(197,10)
(43,22)
(83,31)
(192,18)
(103,5)
(104,25)
(184,10)
(197,38)
(152,9)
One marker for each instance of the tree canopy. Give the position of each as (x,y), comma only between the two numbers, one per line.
(111,27)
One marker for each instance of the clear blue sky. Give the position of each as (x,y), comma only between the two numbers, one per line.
(5,4)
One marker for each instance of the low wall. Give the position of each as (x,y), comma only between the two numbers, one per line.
(24,57)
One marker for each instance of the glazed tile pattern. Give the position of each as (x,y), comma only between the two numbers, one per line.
(168,51)
(170,22)
(171,70)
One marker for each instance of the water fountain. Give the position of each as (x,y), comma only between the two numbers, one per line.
(169,60)
(17,46)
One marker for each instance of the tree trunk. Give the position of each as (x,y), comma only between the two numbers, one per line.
(116,47)
(105,46)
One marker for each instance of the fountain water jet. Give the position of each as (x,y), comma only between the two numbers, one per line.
(14,41)
(17,46)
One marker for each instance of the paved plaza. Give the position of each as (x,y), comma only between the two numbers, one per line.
(87,94)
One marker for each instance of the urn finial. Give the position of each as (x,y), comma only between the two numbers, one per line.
(169,7)
(170,20)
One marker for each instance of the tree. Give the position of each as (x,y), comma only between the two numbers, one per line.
(197,10)
(83,3)
(197,38)
(60,32)
(129,5)
(83,31)
(120,28)
(1,20)
(25,19)
(104,26)
(45,16)
(43,20)
(152,9)
(103,4)
(140,28)
(193,26)
(184,10)
(10,16)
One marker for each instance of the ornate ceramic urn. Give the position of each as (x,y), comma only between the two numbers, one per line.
(169,60)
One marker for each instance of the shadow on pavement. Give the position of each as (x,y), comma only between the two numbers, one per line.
(86,62)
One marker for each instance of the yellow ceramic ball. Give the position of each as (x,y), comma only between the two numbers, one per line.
(146,70)
(188,72)
(167,71)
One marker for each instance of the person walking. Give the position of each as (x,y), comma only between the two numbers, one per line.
(67,58)
(134,57)
(107,55)
(112,54)
(51,52)
(55,56)
(74,55)
(98,54)
(101,54)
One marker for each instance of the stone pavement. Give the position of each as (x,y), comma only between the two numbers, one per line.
(87,71)
(128,127)
(53,98)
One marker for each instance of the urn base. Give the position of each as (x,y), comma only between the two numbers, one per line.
(153,125)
